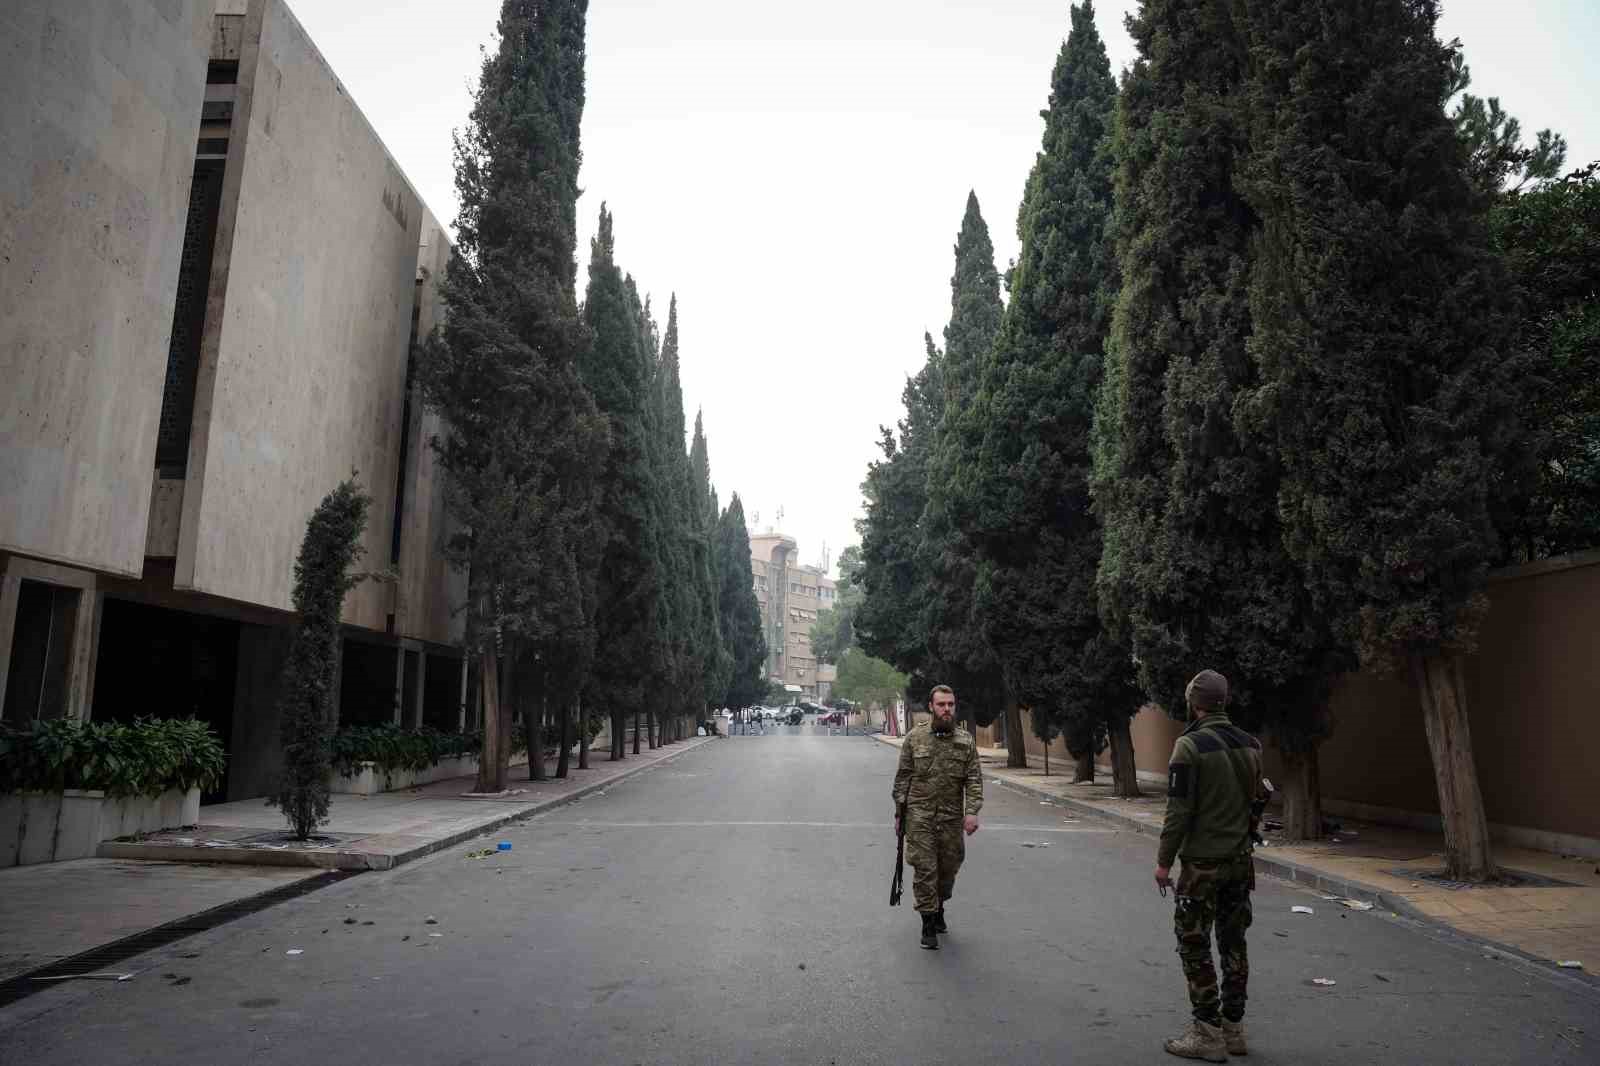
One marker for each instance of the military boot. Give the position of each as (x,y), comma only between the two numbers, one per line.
(930,937)
(938,921)
(1199,1041)
(1233,1036)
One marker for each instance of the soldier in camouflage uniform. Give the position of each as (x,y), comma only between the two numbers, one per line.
(1212,782)
(940,788)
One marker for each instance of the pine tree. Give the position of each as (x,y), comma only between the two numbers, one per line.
(616,369)
(738,612)
(521,432)
(1036,536)
(1193,569)
(1387,383)
(322,577)
(681,618)
(958,642)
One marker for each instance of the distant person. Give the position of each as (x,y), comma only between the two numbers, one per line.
(1213,782)
(938,790)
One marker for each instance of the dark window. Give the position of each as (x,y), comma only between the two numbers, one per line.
(41,653)
(188,321)
(222,72)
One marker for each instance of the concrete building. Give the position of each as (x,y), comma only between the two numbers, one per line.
(791,595)
(212,275)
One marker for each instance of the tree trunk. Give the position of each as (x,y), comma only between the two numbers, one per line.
(536,714)
(651,725)
(491,767)
(1016,744)
(583,734)
(1440,683)
(1124,771)
(1047,758)
(636,732)
(619,736)
(1083,768)
(563,756)
(1302,795)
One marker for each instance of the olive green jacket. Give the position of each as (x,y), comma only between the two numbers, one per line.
(938,778)
(1214,775)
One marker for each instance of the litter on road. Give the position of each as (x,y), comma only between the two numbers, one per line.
(1570,964)
(295,951)
(1353,904)
(1326,982)
(1034,844)
(1298,909)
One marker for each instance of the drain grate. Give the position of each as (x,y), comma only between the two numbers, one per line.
(1508,879)
(95,959)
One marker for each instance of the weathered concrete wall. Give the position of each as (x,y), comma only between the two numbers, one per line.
(302,369)
(429,589)
(99,110)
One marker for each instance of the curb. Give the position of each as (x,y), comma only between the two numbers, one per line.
(352,859)
(1318,880)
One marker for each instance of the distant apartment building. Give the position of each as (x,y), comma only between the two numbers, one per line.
(214,275)
(791,595)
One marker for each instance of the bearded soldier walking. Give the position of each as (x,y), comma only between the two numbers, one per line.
(938,790)
(1213,783)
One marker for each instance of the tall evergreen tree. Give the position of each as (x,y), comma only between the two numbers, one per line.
(1385,378)
(715,663)
(616,368)
(894,578)
(1193,569)
(738,613)
(953,619)
(521,431)
(681,588)
(1035,533)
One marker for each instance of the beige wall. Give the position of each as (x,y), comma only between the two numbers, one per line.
(1534,692)
(99,110)
(302,372)
(429,589)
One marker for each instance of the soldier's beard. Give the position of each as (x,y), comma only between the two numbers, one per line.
(944,725)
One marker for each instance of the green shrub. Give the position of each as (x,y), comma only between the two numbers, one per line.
(389,747)
(145,758)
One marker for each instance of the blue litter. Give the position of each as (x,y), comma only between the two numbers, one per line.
(505,845)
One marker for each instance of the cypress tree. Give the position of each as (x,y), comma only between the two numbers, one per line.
(896,586)
(322,577)
(1386,382)
(1193,569)
(681,613)
(738,612)
(521,432)
(1035,532)
(616,370)
(953,619)
(716,663)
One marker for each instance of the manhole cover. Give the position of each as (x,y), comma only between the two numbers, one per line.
(1508,879)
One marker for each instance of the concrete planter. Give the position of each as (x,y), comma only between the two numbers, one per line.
(370,781)
(55,826)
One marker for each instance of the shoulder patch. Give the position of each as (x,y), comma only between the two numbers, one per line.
(1180,776)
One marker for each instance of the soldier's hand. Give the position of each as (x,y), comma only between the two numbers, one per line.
(1163,880)
(970,824)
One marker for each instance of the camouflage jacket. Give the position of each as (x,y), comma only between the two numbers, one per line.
(1214,775)
(938,778)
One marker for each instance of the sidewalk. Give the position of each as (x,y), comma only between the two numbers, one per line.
(1553,914)
(382,831)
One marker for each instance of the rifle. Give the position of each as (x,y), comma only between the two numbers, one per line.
(1258,807)
(899,859)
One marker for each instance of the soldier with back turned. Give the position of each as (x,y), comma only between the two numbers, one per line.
(1213,782)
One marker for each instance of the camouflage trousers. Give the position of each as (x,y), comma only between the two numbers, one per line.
(1215,893)
(935,850)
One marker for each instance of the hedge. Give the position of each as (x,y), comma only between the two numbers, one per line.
(144,758)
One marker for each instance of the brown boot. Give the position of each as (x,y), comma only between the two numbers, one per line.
(1233,1036)
(1199,1041)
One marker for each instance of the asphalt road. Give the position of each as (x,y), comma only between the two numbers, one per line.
(730,906)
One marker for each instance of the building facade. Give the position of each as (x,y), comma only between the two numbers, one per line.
(214,279)
(791,595)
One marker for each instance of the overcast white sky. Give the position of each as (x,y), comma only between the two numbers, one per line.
(797,173)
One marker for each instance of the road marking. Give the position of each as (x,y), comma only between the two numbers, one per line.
(987,826)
